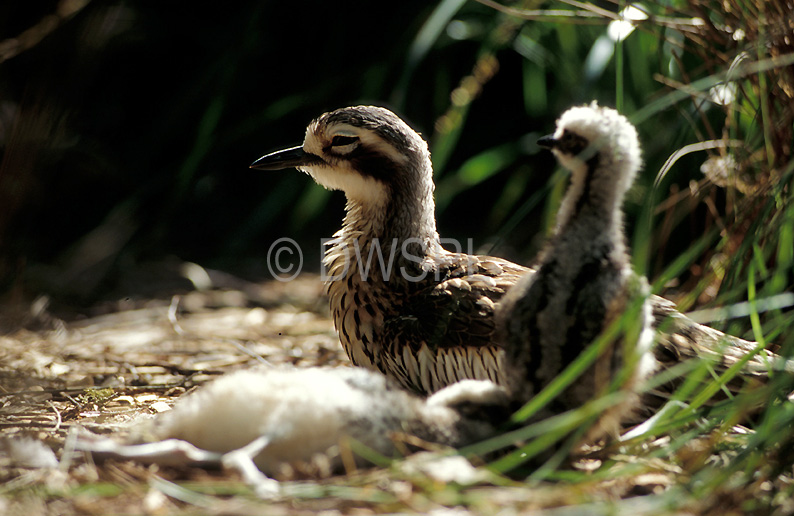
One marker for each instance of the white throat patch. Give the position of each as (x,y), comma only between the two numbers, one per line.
(362,189)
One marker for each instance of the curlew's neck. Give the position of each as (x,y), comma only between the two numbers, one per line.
(381,235)
(370,263)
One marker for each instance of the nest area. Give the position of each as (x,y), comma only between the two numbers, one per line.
(131,362)
(131,359)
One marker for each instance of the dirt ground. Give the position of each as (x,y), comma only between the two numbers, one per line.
(133,358)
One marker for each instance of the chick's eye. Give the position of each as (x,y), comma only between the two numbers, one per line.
(341,140)
(572,143)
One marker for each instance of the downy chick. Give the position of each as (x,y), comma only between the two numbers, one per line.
(584,280)
(289,420)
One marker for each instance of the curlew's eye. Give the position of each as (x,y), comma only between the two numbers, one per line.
(341,140)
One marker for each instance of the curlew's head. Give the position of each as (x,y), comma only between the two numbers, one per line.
(366,151)
(597,143)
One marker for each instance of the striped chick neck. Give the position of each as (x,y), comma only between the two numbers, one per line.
(584,269)
(601,150)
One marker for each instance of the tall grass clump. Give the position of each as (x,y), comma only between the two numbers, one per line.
(710,86)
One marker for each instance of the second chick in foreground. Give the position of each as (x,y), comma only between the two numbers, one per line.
(306,412)
(287,421)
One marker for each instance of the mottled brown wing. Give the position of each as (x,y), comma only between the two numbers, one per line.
(680,339)
(457,311)
(445,329)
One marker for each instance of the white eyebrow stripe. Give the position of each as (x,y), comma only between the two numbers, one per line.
(375,142)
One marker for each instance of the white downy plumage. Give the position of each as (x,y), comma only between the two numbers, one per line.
(280,419)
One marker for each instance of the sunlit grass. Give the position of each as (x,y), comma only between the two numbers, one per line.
(745,460)
(730,241)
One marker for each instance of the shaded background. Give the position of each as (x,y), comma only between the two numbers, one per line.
(126,131)
(127,128)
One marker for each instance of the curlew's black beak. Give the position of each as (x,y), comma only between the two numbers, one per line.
(547,141)
(294,157)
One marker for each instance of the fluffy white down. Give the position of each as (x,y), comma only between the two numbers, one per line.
(615,139)
(479,391)
(612,134)
(303,411)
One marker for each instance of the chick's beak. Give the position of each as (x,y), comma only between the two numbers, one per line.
(547,141)
(293,157)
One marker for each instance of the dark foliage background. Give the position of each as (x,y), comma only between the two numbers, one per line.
(127,129)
